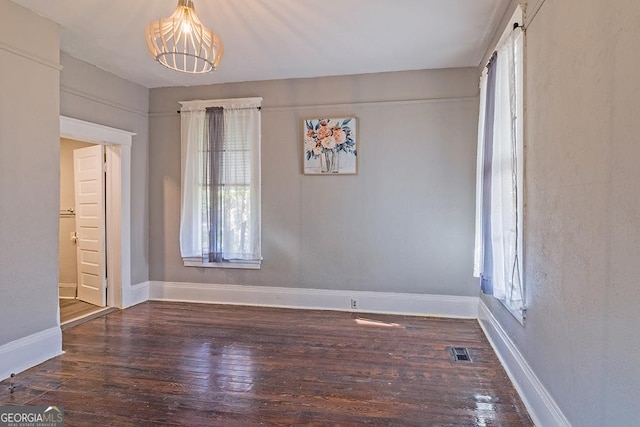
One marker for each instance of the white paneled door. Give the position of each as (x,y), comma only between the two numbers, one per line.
(88,168)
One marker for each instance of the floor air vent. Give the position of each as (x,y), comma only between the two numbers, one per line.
(460,354)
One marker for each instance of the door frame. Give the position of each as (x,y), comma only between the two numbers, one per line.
(117,144)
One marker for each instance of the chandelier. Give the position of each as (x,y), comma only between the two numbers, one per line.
(182,43)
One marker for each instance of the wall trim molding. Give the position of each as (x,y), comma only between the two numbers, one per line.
(530,16)
(351,105)
(317,299)
(100,100)
(542,408)
(369,104)
(27,55)
(136,294)
(24,353)
(93,132)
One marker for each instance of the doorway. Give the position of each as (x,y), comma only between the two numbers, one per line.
(82,232)
(72,305)
(116,145)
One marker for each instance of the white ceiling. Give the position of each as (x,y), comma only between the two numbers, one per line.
(277,39)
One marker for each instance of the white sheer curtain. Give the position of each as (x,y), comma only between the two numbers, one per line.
(241,219)
(506,235)
(478,254)
(506,207)
(191,214)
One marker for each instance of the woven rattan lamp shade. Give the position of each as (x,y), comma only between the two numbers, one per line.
(182,43)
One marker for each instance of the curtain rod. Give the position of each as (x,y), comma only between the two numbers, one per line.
(516,25)
(246,108)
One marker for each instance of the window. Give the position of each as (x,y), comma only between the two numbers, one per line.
(499,185)
(220,211)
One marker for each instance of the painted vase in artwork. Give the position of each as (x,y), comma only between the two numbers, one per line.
(329,161)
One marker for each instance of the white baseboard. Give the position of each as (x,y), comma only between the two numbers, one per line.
(318,299)
(21,354)
(136,294)
(544,411)
(67,290)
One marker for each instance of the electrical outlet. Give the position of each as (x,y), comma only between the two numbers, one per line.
(354,304)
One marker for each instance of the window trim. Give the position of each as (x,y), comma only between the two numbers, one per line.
(517,19)
(253,102)
(238,264)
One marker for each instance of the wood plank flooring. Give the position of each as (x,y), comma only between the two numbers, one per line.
(210,365)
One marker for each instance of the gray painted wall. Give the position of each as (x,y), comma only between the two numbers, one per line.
(582,215)
(29,168)
(94,95)
(404,223)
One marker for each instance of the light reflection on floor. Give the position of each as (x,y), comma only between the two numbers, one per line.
(230,368)
(235,369)
(485,412)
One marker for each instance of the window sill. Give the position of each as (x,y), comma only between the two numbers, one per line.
(518,313)
(231,264)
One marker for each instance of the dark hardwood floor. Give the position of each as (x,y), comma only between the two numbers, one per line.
(210,365)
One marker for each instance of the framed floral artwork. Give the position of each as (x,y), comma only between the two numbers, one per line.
(330,146)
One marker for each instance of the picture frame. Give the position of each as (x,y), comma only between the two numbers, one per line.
(330,146)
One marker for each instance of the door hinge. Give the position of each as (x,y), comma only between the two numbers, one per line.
(104,167)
